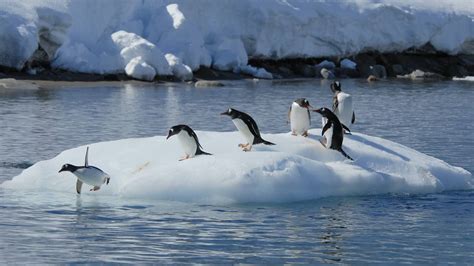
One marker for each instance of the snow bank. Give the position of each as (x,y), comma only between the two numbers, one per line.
(224,34)
(295,169)
(468,78)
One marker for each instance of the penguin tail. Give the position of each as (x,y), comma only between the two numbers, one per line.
(264,142)
(201,152)
(345,154)
(267,142)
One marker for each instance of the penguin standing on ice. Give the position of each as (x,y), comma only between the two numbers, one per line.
(333,131)
(342,105)
(88,174)
(299,116)
(247,127)
(188,139)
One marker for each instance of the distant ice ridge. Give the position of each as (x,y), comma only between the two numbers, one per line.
(295,169)
(79,35)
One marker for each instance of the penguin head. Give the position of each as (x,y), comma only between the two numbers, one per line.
(230,112)
(303,103)
(336,86)
(323,111)
(68,168)
(174,130)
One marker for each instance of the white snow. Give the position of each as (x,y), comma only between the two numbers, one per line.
(295,169)
(139,69)
(468,78)
(78,35)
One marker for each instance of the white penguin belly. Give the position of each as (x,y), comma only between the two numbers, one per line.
(188,143)
(91,176)
(344,109)
(328,135)
(299,119)
(244,130)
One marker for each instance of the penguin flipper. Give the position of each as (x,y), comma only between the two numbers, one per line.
(353,117)
(346,128)
(86,160)
(325,128)
(78,186)
(345,154)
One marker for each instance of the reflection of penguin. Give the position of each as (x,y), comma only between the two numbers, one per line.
(188,139)
(300,117)
(333,131)
(88,174)
(247,127)
(342,105)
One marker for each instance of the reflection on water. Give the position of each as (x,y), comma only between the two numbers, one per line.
(39,227)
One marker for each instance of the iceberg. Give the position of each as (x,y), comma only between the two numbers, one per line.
(296,169)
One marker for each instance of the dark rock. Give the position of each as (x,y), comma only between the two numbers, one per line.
(378,71)
(457,71)
(208,83)
(397,69)
(306,70)
(285,72)
(346,73)
(364,61)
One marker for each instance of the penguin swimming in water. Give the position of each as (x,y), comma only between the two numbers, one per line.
(188,139)
(333,131)
(342,105)
(247,127)
(88,174)
(299,116)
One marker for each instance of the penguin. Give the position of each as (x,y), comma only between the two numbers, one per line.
(88,174)
(342,105)
(299,117)
(333,131)
(247,127)
(188,139)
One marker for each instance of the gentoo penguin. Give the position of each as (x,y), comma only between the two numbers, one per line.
(333,131)
(299,117)
(247,127)
(88,174)
(342,105)
(188,139)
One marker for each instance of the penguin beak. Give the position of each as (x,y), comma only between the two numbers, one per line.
(224,113)
(60,171)
(317,110)
(167,137)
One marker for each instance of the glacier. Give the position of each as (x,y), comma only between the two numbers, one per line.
(296,169)
(147,38)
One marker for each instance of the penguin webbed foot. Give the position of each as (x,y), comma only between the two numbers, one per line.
(184,158)
(293,133)
(305,134)
(95,188)
(247,148)
(244,145)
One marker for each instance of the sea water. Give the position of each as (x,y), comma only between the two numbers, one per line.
(38,227)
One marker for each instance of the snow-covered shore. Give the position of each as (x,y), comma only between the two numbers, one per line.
(295,169)
(149,38)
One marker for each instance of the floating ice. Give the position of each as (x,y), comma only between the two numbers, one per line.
(295,169)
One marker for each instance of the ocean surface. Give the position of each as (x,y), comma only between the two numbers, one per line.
(435,118)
